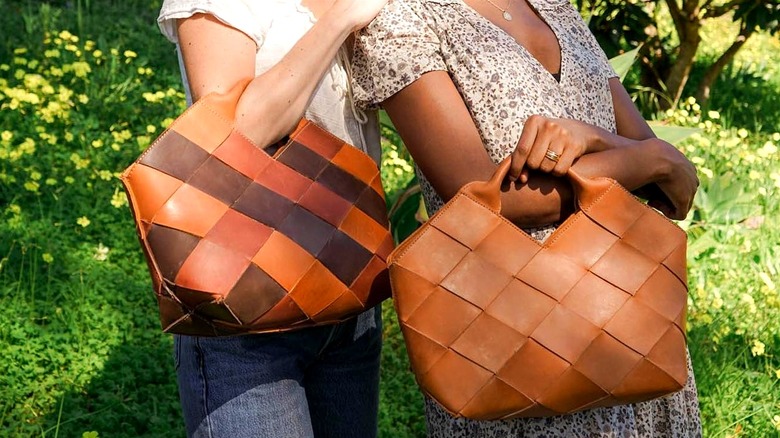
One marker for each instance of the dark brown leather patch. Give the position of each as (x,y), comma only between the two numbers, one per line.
(219,180)
(254,294)
(263,205)
(176,156)
(344,257)
(171,248)
(303,160)
(344,184)
(307,230)
(373,205)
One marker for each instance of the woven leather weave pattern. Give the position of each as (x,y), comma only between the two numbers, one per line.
(240,241)
(498,325)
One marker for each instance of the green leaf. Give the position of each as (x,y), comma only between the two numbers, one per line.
(672,134)
(622,63)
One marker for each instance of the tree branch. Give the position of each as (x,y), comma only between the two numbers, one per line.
(719,11)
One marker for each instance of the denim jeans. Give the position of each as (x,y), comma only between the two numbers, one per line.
(318,382)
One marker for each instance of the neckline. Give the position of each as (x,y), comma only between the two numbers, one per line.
(556,77)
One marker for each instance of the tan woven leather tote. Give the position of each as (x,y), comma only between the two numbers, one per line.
(498,325)
(240,241)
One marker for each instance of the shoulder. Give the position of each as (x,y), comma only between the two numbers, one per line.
(249,17)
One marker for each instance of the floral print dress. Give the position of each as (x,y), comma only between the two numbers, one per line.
(502,84)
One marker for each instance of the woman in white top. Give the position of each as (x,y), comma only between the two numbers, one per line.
(315,382)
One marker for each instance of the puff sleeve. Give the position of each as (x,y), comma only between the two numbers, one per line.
(398,47)
(234,13)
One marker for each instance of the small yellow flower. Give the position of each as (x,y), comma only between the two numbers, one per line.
(130,54)
(83,99)
(7,135)
(97,53)
(35,175)
(743,133)
(68,136)
(69,180)
(758,348)
(754,175)
(20,51)
(776,422)
(166,122)
(31,186)
(81,69)
(118,200)
(97,143)
(51,53)
(151,129)
(101,252)
(777,373)
(51,182)
(83,221)
(47,258)
(65,35)
(713,115)
(115,52)
(15,209)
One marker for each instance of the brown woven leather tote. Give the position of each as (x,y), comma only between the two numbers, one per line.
(240,241)
(498,325)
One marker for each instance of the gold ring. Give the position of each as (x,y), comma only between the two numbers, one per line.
(552,155)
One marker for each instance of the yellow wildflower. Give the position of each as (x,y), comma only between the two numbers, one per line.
(97,143)
(31,186)
(151,129)
(118,200)
(47,258)
(68,136)
(758,348)
(51,53)
(130,54)
(83,221)
(7,135)
(83,99)
(81,69)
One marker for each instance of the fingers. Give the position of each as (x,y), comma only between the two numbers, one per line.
(523,149)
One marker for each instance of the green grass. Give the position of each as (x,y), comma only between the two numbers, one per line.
(80,345)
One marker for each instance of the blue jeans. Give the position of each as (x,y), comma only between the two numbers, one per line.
(318,382)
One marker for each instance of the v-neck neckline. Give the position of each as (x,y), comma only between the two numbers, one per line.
(561,46)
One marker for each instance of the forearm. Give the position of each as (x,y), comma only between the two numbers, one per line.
(546,199)
(275,101)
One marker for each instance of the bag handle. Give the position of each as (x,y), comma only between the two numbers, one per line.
(586,190)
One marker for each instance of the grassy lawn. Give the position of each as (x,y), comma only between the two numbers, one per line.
(86,85)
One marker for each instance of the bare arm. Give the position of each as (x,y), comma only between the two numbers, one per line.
(441,136)
(217,56)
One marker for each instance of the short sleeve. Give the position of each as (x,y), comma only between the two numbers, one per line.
(234,13)
(393,51)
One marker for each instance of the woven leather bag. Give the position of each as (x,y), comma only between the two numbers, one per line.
(240,241)
(498,325)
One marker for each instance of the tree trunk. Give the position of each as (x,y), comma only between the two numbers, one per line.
(687,23)
(712,73)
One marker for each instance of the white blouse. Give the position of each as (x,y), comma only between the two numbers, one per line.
(275,26)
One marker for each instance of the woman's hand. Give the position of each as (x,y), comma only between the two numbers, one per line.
(679,183)
(357,13)
(552,145)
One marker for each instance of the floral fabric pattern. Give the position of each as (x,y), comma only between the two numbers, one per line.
(502,85)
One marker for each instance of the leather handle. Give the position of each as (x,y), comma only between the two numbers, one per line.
(586,190)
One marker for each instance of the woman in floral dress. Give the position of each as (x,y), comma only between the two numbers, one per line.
(468,83)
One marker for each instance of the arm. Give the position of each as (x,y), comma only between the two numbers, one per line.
(438,131)
(274,101)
